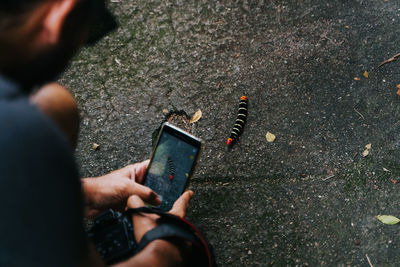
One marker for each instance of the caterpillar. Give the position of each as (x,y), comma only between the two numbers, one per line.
(171,168)
(240,121)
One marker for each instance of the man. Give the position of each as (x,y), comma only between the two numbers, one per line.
(42,205)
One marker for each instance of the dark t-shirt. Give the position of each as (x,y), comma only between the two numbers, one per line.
(41,211)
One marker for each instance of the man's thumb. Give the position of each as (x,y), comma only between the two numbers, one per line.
(134,202)
(181,204)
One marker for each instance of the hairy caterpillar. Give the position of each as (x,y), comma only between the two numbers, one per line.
(240,121)
(171,168)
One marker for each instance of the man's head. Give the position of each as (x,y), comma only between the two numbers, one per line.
(39,37)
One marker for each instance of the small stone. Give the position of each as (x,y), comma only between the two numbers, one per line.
(270,137)
(249,252)
(357,242)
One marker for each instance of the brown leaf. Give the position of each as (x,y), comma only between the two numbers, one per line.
(398,90)
(366,74)
(196,116)
(356,78)
(95,146)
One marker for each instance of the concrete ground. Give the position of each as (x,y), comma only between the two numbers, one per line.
(308,199)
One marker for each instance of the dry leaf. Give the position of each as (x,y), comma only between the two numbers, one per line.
(388,219)
(398,86)
(237,55)
(270,137)
(95,146)
(398,91)
(356,78)
(367,149)
(196,116)
(165,111)
(366,75)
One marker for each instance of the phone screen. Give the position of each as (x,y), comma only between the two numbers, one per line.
(171,166)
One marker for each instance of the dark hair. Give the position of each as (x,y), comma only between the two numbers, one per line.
(16,6)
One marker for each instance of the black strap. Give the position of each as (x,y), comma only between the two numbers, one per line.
(166,231)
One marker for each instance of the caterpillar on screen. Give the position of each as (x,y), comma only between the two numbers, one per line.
(171,168)
(240,121)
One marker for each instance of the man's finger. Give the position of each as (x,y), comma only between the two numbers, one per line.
(134,202)
(142,222)
(181,204)
(138,170)
(144,193)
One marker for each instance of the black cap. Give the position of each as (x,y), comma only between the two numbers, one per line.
(103,22)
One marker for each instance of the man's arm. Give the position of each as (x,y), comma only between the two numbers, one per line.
(158,253)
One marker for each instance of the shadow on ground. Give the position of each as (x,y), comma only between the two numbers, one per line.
(309,198)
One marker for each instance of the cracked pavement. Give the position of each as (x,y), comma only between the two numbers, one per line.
(309,198)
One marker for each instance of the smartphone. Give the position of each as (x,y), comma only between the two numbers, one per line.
(172,164)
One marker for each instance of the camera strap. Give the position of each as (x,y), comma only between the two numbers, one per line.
(174,228)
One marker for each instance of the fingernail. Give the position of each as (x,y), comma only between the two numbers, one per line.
(158,200)
(191,193)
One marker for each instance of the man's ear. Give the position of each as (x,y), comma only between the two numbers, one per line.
(54,19)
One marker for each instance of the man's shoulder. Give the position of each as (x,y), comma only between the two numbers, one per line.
(30,138)
(28,135)
(22,123)
(20,114)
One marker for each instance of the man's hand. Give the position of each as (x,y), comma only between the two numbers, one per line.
(158,253)
(113,190)
(145,222)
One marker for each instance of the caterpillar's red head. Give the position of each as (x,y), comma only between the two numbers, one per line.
(229,141)
(243,98)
